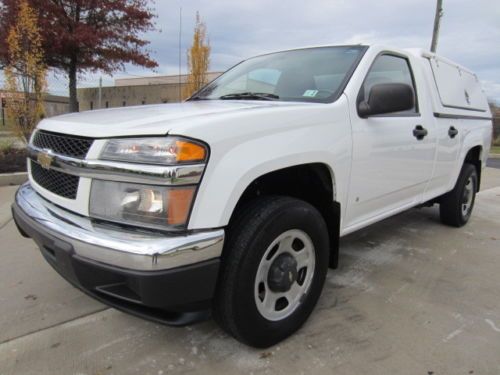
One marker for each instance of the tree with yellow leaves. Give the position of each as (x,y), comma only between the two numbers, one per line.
(198,59)
(25,73)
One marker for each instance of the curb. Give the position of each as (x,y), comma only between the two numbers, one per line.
(494,156)
(11,179)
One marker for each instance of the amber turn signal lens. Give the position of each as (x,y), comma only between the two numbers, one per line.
(187,151)
(179,204)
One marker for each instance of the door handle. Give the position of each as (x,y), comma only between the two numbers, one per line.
(452,132)
(420,132)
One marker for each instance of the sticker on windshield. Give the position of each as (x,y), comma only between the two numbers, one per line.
(310,93)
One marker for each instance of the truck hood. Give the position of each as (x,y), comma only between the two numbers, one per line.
(149,120)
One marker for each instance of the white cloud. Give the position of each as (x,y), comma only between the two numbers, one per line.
(470,30)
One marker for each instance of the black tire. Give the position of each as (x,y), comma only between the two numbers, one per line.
(451,204)
(248,238)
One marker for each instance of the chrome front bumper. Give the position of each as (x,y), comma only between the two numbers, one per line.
(132,249)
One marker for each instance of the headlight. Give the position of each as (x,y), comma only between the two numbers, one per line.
(164,150)
(149,206)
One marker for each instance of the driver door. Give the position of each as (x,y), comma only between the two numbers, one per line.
(390,166)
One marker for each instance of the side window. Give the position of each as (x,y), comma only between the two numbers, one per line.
(389,69)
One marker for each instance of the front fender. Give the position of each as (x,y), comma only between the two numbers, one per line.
(234,165)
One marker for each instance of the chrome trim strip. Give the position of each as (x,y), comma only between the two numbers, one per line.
(120,171)
(464,117)
(131,249)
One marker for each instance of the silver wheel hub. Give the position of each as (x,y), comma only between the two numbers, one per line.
(467,197)
(284,275)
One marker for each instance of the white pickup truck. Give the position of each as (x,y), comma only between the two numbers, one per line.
(233,202)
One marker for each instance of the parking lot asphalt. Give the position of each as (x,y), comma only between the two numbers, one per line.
(411,296)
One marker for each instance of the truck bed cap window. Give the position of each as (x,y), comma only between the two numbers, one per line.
(457,87)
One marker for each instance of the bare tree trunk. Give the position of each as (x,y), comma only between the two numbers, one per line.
(73,100)
(437,24)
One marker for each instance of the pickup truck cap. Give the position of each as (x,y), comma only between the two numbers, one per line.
(458,88)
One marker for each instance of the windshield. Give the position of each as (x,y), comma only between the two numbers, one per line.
(309,75)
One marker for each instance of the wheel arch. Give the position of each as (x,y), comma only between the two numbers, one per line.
(311,182)
(471,151)
(474,156)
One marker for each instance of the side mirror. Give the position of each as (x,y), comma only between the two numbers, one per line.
(387,98)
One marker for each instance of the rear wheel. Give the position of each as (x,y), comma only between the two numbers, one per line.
(456,206)
(273,270)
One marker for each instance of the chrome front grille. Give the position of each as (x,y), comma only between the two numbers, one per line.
(59,183)
(62,144)
(62,184)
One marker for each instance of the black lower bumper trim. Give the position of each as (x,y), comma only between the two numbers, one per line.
(177,296)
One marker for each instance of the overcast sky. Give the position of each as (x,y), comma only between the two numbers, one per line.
(470,30)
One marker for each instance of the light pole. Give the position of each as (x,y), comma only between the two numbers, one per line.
(437,23)
(180,54)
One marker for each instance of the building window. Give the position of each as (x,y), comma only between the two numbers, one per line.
(91,106)
(107,104)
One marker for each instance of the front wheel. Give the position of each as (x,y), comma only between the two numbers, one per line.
(273,270)
(455,207)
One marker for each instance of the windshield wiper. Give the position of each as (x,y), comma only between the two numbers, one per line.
(250,95)
(198,98)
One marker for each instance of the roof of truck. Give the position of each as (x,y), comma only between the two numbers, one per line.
(418,52)
(458,88)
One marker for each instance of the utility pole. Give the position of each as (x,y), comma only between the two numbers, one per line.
(437,23)
(180,53)
(100,92)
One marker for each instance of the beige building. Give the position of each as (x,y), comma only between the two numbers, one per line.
(159,80)
(135,91)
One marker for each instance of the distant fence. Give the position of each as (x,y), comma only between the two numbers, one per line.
(54,105)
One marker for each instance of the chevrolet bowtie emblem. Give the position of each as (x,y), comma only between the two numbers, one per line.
(45,159)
